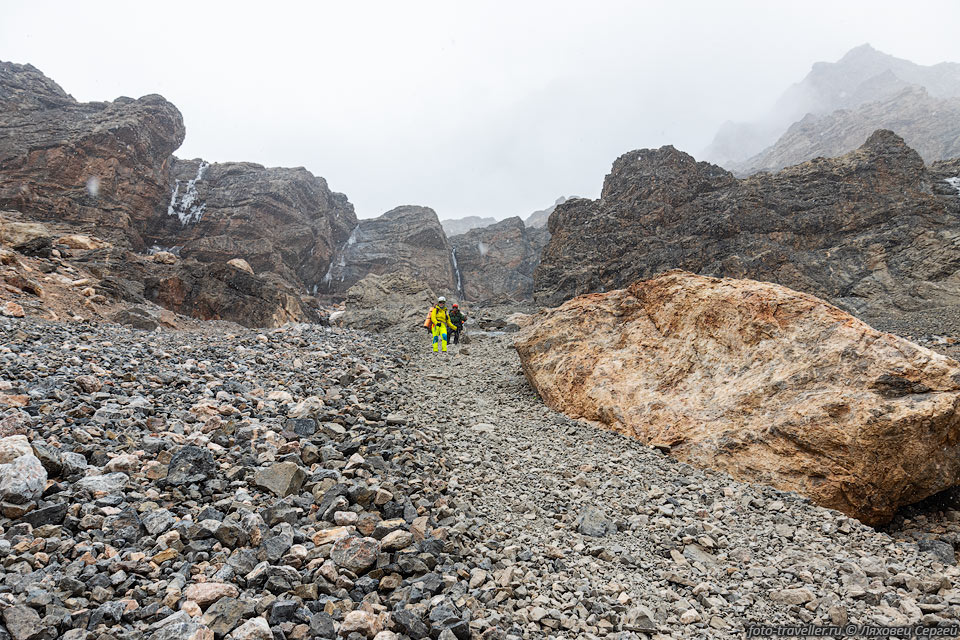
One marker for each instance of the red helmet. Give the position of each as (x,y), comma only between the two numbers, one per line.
(454,305)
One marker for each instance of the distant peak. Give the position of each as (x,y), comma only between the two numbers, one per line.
(863,51)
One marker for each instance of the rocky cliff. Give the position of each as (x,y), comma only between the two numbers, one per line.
(872,231)
(407,239)
(768,384)
(100,166)
(285,221)
(497,262)
(928,124)
(105,169)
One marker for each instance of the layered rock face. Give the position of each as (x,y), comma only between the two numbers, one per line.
(285,221)
(377,303)
(497,262)
(928,124)
(873,231)
(408,239)
(100,166)
(770,385)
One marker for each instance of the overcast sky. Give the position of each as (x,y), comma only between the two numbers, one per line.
(471,108)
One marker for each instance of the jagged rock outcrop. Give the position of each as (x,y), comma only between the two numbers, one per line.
(280,220)
(455,227)
(208,291)
(864,75)
(872,231)
(99,166)
(929,125)
(770,385)
(497,262)
(407,239)
(376,303)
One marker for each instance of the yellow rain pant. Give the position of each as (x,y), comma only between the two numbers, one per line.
(439,336)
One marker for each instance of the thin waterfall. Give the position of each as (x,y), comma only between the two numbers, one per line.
(456,270)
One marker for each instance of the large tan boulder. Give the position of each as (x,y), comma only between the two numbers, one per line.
(752,378)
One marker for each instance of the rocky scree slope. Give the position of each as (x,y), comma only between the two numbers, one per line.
(319,483)
(873,232)
(220,484)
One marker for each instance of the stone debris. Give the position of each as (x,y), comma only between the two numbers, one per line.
(183,501)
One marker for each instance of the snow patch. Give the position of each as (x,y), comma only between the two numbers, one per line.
(187,209)
(175,250)
(955,183)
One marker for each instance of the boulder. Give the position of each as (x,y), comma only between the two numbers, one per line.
(23,479)
(768,384)
(240,263)
(281,478)
(496,262)
(13,233)
(12,447)
(164,257)
(137,317)
(377,302)
(191,464)
(407,239)
(858,231)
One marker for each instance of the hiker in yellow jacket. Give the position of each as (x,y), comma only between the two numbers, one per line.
(440,324)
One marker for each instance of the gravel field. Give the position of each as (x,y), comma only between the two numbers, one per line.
(310,482)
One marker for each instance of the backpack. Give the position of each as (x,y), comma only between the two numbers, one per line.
(428,323)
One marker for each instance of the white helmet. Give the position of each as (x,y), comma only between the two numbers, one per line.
(441,299)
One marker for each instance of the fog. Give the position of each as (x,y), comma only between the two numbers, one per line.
(488,109)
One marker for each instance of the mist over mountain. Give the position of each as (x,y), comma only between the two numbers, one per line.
(863,76)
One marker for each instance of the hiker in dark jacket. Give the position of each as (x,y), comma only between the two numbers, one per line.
(457,318)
